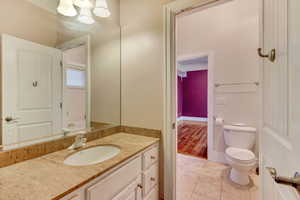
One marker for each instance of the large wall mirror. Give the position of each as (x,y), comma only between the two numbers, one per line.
(60,69)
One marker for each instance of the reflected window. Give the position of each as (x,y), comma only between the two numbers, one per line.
(75,78)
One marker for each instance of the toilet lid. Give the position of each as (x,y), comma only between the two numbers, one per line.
(241,155)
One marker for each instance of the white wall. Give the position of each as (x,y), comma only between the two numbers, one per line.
(231,32)
(106,69)
(142,63)
(22,19)
(106,87)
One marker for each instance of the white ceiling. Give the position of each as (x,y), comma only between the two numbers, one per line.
(193,64)
(49,5)
(69,27)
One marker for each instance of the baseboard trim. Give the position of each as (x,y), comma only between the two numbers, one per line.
(198,119)
(216,157)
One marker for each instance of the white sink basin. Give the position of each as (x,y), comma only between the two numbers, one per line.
(92,155)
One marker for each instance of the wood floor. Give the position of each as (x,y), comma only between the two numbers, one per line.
(199,179)
(192,139)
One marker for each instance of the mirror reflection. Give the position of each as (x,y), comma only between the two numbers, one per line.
(60,69)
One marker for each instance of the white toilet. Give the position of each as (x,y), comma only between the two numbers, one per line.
(240,140)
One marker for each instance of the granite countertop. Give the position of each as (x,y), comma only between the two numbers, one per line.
(47,178)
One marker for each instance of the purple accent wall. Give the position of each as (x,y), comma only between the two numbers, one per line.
(180,96)
(192,94)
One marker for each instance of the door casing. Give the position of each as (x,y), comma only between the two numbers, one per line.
(84,40)
(169,86)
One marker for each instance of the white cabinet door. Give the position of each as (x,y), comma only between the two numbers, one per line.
(73,197)
(153,195)
(132,192)
(281,96)
(115,183)
(31,92)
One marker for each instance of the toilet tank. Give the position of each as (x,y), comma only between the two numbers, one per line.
(239,136)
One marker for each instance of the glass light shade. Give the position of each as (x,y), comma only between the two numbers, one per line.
(66,8)
(101,9)
(85,16)
(83,3)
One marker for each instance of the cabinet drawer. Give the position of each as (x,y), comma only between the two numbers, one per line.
(132,192)
(113,184)
(150,179)
(150,157)
(153,195)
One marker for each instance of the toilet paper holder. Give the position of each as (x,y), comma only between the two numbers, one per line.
(218,120)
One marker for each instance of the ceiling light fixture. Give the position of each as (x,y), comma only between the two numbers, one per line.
(83,3)
(101,9)
(66,8)
(85,16)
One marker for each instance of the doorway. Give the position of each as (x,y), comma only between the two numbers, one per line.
(76,92)
(222,29)
(192,105)
(74,88)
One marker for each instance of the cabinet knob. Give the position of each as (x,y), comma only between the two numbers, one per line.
(140,186)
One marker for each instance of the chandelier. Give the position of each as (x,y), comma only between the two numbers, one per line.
(68,8)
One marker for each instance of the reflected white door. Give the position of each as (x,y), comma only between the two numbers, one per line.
(75,88)
(31,84)
(281,96)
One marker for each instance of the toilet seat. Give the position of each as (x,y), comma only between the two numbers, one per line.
(242,156)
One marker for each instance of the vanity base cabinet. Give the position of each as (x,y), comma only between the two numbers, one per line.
(153,194)
(114,183)
(132,192)
(134,179)
(150,179)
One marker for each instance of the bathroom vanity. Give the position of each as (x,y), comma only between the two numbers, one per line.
(134,179)
(132,174)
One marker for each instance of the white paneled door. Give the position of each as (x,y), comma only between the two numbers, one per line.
(280,143)
(75,88)
(32,92)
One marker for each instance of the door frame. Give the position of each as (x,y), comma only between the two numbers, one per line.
(260,93)
(169,87)
(84,40)
(211,154)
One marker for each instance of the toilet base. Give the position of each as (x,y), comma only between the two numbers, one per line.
(239,177)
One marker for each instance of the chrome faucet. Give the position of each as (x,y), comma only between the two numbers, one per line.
(80,141)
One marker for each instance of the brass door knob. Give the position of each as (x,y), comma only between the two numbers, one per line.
(293,181)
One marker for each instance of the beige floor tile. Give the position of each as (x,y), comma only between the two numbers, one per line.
(185,186)
(209,187)
(201,197)
(199,179)
(254,190)
(229,192)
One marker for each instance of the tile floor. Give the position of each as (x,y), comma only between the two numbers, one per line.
(199,179)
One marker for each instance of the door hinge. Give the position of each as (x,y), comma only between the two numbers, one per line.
(60,105)
(173,126)
(61,63)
